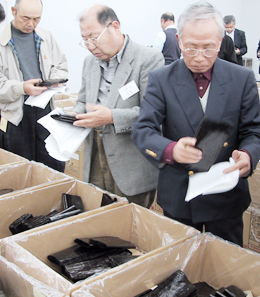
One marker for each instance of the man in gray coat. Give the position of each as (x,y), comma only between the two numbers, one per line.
(114,80)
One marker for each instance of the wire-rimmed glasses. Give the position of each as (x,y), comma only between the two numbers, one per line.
(93,41)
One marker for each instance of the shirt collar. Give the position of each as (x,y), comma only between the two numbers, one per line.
(207,74)
(117,56)
(170,27)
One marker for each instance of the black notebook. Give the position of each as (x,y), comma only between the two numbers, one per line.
(211,136)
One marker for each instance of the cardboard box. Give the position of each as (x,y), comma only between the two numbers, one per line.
(251,217)
(59,96)
(202,258)
(74,167)
(251,236)
(28,177)
(254,185)
(150,232)
(14,282)
(9,159)
(155,206)
(42,201)
(66,104)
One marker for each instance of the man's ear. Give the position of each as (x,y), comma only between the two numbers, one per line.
(115,25)
(13,10)
(178,38)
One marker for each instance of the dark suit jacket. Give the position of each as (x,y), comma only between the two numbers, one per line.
(171,103)
(227,50)
(240,42)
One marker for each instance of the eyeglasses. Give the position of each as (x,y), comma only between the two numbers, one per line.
(193,52)
(207,52)
(93,41)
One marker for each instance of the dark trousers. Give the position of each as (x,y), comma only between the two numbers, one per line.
(228,229)
(27,139)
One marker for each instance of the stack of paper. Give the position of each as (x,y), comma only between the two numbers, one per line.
(64,138)
(213,181)
(42,100)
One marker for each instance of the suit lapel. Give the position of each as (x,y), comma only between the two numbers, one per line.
(94,84)
(218,92)
(122,74)
(186,88)
(188,97)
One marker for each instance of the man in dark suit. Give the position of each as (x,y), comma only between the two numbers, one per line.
(238,37)
(227,50)
(177,98)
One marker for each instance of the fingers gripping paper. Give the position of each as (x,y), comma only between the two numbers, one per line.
(64,138)
(213,181)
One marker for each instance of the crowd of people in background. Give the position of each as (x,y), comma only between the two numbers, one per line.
(233,44)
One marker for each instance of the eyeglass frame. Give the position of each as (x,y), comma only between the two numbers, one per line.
(203,51)
(86,43)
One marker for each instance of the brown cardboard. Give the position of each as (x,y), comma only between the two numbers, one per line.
(202,258)
(74,167)
(42,201)
(9,159)
(14,282)
(66,104)
(59,96)
(254,185)
(156,207)
(251,216)
(28,177)
(149,231)
(251,236)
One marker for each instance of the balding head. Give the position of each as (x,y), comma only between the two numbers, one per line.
(100,30)
(27,14)
(102,13)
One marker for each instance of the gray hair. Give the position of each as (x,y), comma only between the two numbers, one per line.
(198,11)
(229,19)
(17,2)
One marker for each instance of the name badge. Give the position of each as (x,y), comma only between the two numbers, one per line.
(128,90)
(3,124)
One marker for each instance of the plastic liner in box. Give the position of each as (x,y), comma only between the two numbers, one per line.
(14,282)
(203,258)
(28,177)
(46,199)
(148,231)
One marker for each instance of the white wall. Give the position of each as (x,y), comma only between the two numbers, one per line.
(140,19)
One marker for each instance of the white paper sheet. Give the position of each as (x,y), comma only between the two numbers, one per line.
(42,100)
(64,138)
(213,181)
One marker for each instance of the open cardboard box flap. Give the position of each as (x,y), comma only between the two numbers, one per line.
(150,232)
(28,177)
(202,258)
(44,200)
(8,158)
